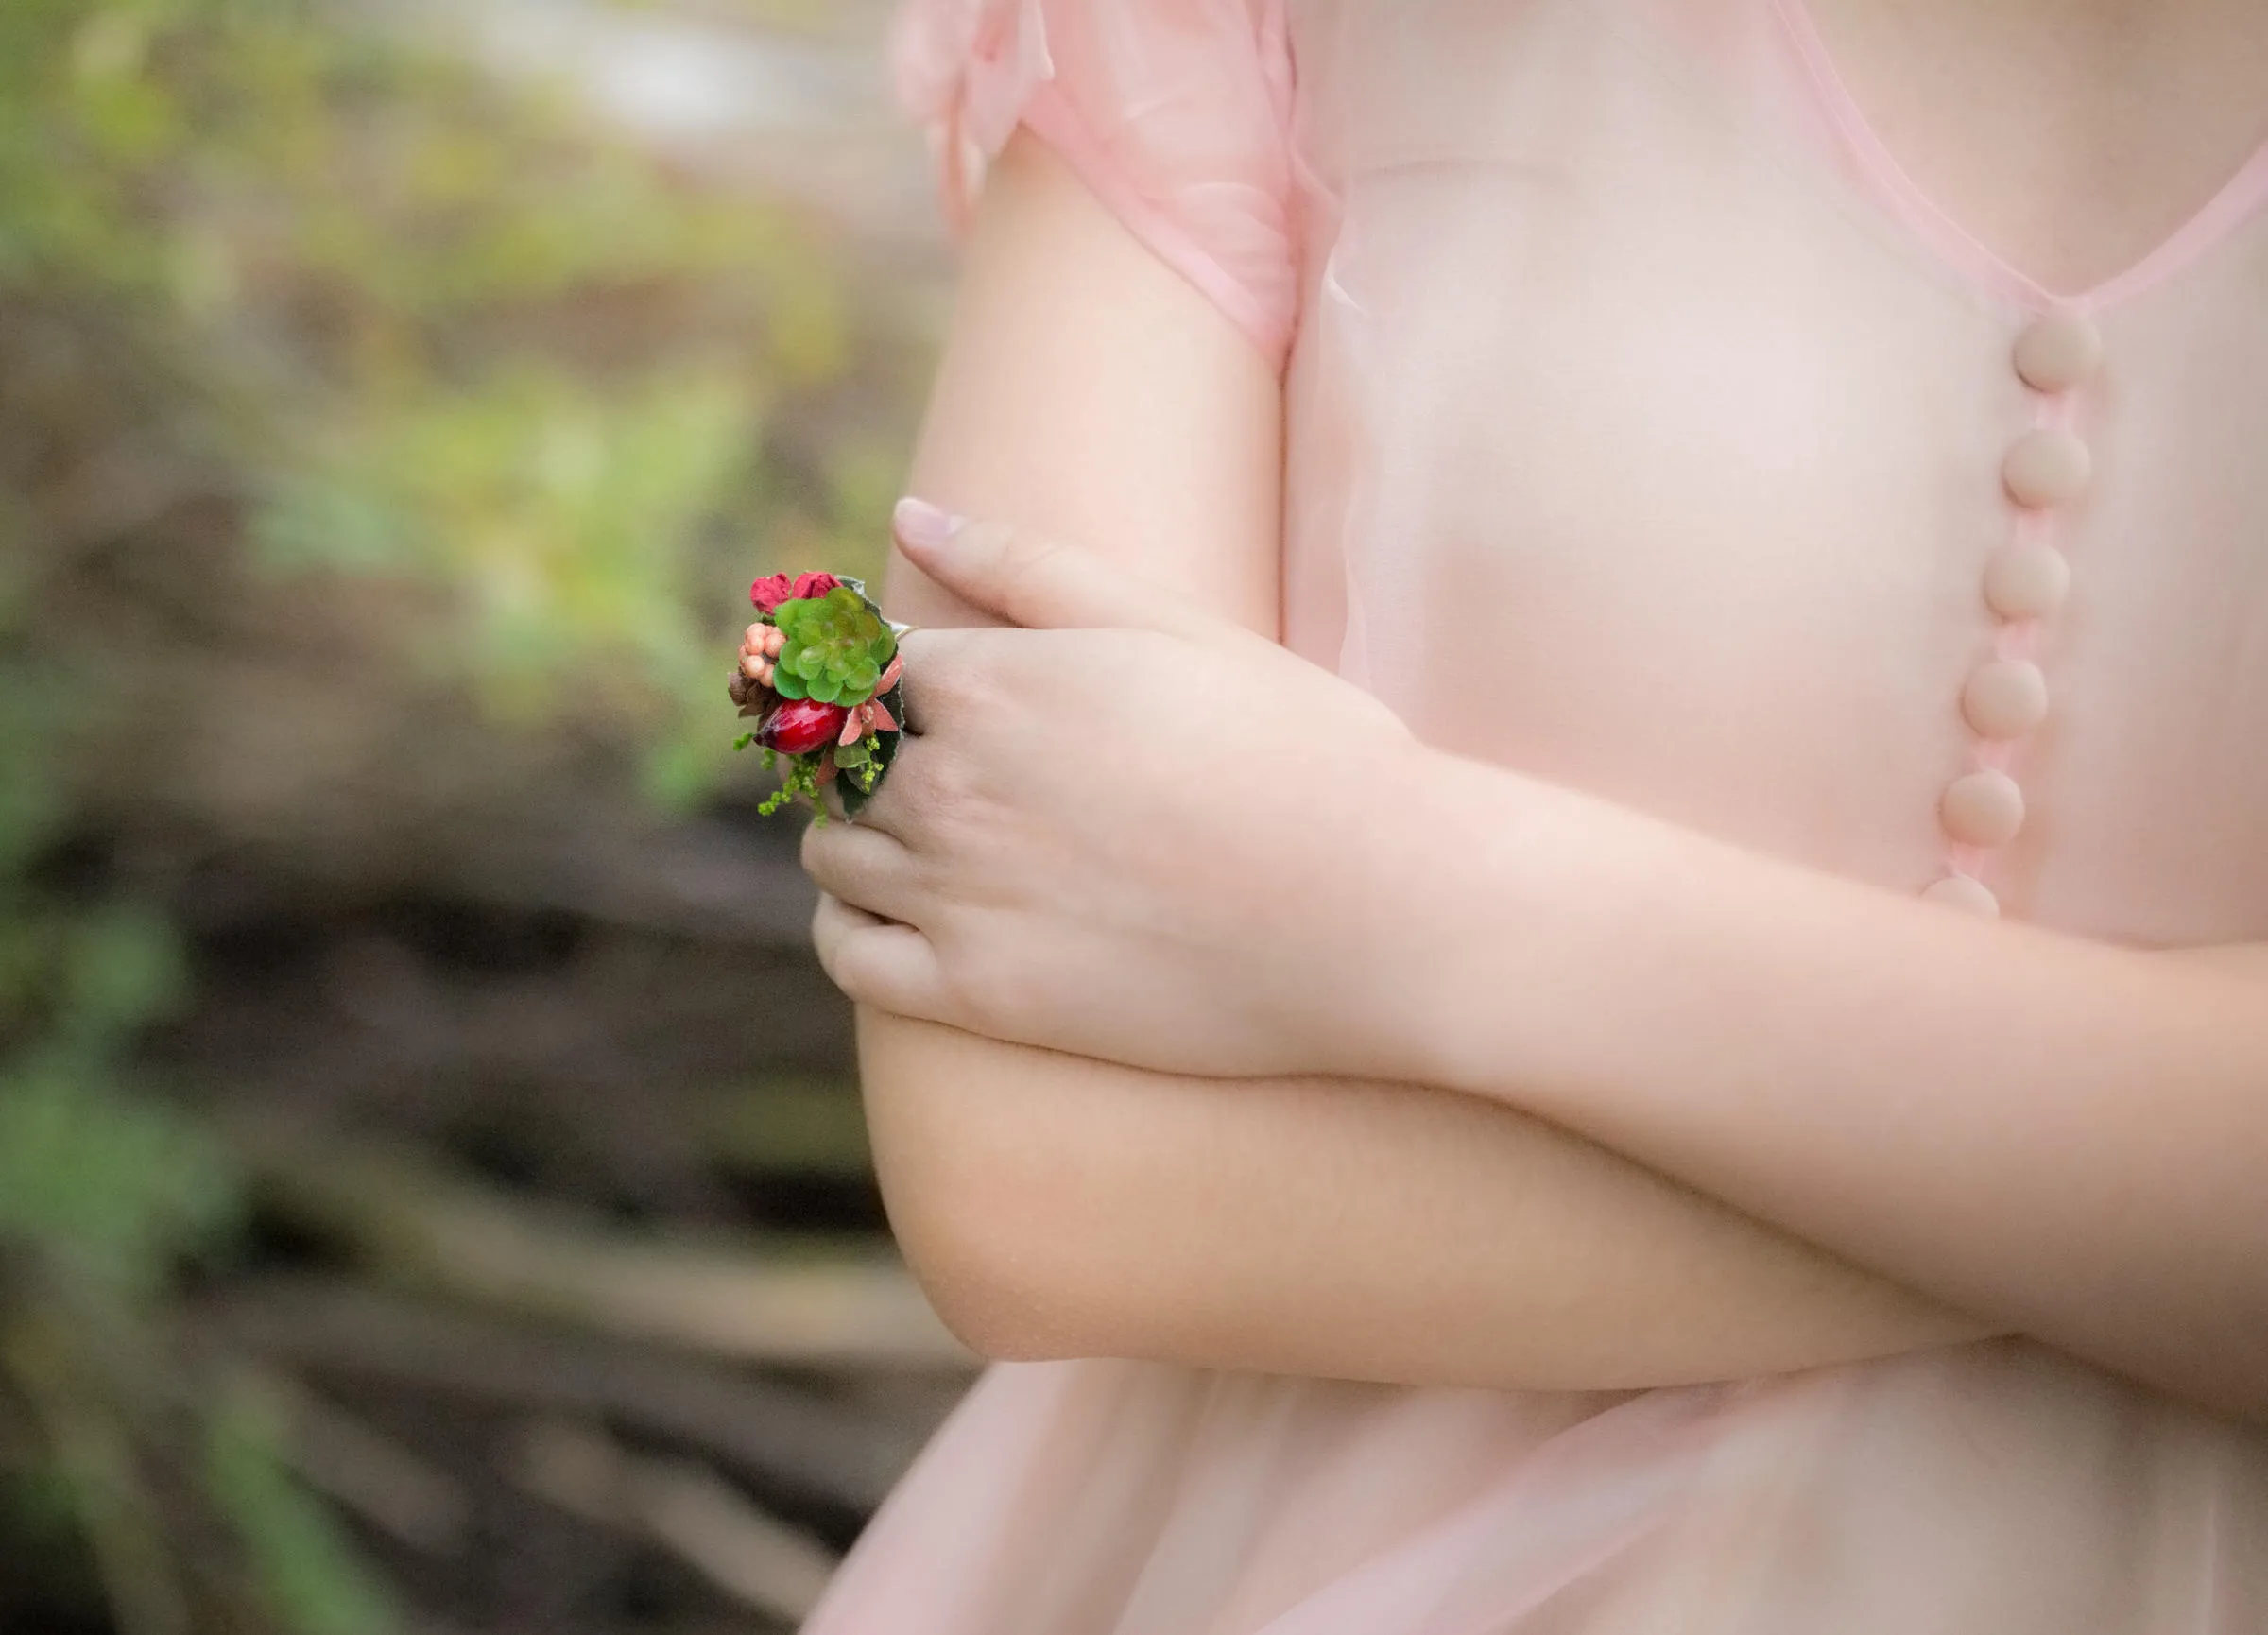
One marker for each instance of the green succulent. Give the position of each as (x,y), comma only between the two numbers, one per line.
(835,650)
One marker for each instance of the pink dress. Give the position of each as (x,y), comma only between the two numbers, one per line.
(1651,431)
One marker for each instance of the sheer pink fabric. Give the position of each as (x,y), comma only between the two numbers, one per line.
(1173,110)
(1646,432)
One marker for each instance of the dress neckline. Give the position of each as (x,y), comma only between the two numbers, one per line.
(2228,206)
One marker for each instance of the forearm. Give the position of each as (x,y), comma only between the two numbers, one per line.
(2065,1136)
(1056,1206)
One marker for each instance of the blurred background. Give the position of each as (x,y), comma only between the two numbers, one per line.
(433,1196)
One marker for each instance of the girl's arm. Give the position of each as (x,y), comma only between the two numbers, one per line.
(2066,1136)
(1057,1206)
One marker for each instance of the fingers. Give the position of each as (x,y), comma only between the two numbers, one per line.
(875,962)
(945,669)
(1034,581)
(864,867)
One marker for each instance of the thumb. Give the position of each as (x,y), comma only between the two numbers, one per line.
(1031,580)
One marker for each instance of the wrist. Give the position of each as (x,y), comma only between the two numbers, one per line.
(1432,877)
(1504,945)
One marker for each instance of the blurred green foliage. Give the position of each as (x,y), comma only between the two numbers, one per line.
(410,331)
(448,335)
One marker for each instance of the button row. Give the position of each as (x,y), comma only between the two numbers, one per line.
(2057,353)
(2026,579)
(1960,891)
(2007,698)
(1983,808)
(2047,467)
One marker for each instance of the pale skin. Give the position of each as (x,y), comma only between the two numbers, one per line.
(1660,1102)
(2069,135)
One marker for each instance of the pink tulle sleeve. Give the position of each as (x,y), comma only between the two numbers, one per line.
(1175,112)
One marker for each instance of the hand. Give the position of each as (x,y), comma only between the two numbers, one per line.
(1120,831)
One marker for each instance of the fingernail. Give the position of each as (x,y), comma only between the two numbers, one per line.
(923,527)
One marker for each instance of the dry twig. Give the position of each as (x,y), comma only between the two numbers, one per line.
(795,1301)
(369,1474)
(794,1441)
(684,1508)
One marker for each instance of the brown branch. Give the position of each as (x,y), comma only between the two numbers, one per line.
(800,1300)
(685,1508)
(123,1532)
(795,1440)
(369,1474)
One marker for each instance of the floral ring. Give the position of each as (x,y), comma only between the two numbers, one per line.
(819,674)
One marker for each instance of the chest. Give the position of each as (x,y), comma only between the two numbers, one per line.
(1646,435)
(2070,140)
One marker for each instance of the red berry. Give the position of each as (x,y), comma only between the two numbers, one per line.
(799,726)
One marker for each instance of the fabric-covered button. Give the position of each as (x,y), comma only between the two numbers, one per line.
(2005,699)
(1960,891)
(2059,351)
(2026,579)
(2045,468)
(1983,808)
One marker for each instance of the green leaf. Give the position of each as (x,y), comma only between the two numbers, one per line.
(850,755)
(124,969)
(826,689)
(114,1186)
(786,682)
(308,1566)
